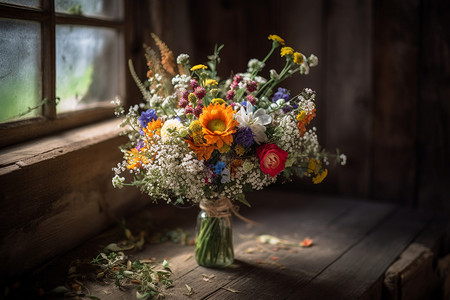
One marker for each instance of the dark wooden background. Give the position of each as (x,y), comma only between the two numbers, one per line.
(383,81)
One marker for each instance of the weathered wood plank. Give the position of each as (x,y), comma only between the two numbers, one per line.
(433,190)
(331,241)
(305,216)
(396,27)
(358,269)
(354,242)
(347,92)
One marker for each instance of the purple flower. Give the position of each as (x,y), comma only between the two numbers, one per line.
(281,94)
(230,95)
(244,137)
(146,117)
(139,145)
(194,83)
(251,86)
(289,107)
(200,92)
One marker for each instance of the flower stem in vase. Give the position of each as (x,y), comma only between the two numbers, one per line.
(214,245)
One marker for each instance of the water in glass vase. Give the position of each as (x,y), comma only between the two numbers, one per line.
(214,245)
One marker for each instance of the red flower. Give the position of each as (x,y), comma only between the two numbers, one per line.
(271,159)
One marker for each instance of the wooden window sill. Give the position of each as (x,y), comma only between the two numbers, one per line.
(36,151)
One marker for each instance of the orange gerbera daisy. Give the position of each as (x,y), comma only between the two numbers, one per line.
(218,124)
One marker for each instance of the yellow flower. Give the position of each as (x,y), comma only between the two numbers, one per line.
(239,149)
(197,138)
(195,126)
(275,37)
(218,124)
(198,67)
(319,178)
(211,82)
(225,148)
(217,101)
(314,166)
(298,58)
(286,51)
(301,116)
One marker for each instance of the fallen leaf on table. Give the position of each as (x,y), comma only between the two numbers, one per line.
(190,291)
(250,250)
(306,242)
(268,239)
(208,277)
(230,290)
(188,257)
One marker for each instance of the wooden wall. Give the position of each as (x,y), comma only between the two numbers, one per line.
(382,81)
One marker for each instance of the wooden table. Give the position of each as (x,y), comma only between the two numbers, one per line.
(354,243)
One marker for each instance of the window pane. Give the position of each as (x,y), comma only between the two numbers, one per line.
(110,9)
(20,71)
(29,3)
(88,66)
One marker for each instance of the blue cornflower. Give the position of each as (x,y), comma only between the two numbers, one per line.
(147,116)
(281,94)
(244,103)
(219,167)
(244,137)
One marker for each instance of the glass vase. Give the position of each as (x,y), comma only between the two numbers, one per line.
(214,243)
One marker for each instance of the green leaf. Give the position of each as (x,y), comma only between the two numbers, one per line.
(166,265)
(287,172)
(179,201)
(94,298)
(142,296)
(241,198)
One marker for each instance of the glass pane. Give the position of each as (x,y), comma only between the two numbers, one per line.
(109,9)
(88,66)
(29,3)
(20,68)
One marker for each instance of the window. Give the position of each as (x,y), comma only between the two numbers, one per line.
(61,64)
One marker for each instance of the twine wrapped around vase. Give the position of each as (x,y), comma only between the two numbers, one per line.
(223,208)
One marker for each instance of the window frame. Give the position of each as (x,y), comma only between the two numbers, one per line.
(49,121)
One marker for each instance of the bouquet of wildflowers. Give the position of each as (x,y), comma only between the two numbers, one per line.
(197,138)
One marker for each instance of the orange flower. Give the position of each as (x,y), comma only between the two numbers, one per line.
(135,159)
(153,127)
(301,125)
(203,151)
(218,124)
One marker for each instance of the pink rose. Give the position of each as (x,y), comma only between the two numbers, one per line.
(271,159)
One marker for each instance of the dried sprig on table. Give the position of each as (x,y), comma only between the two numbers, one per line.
(150,280)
